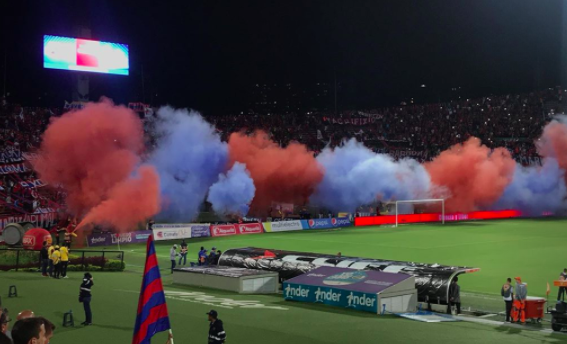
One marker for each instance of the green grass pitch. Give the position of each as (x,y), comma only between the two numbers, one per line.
(533,249)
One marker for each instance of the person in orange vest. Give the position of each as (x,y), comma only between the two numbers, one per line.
(519,305)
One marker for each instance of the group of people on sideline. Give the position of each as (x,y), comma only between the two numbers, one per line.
(515,300)
(204,257)
(54,260)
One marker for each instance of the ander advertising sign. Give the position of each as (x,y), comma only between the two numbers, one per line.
(347,288)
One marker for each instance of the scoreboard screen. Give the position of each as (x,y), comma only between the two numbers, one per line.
(85,55)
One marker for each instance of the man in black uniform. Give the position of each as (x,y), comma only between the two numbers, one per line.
(85,297)
(216,330)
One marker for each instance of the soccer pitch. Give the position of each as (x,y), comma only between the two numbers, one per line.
(532,249)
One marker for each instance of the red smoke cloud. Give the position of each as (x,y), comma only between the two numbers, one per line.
(474,176)
(553,142)
(287,175)
(88,152)
(129,202)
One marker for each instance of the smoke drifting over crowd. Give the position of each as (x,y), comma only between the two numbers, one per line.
(189,158)
(95,154)
(355,176)
(474,176)
(234,192)
(287,175)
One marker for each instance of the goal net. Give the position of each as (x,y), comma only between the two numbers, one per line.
(417,206)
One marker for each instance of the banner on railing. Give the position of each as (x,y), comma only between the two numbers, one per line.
(233,229)
(169,231)
(13,168)
(10,154)
(328,223)
(285,226)
(42,220)
(107,239)
(32,184)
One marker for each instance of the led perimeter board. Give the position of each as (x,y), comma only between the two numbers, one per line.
(85,55)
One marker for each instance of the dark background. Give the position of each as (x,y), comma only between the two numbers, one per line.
(208,54)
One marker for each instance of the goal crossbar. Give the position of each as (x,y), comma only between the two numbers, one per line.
(430,200)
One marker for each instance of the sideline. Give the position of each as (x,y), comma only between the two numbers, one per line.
(501,323)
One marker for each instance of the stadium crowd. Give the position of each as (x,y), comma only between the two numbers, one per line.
(407,130)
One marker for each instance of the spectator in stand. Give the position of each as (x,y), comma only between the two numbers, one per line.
(4,339)
(32,331)
(4,321)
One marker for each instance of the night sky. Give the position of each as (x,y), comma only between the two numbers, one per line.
(208,54)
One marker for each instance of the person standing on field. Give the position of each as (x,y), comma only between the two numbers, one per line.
(183,253)
(507,293)
(44,256)
(519,305)
(454,296)
(85,297)
(64,251)
(56,259)
(50,250)
(562,290)
(173,256)
(217,335)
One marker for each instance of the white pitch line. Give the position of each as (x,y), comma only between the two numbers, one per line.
(500,323)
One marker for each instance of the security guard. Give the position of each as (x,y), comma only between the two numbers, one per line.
(216,330)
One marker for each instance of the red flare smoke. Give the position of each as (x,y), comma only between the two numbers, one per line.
(475,176)
(88,152)
(553,142)
(129,202)
(287,175)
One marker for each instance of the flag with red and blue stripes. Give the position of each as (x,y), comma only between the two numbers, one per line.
(152,309)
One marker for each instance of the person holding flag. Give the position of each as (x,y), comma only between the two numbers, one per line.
(153,316)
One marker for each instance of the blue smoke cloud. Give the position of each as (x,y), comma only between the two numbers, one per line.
(234,192)
(355,176)
(535,190)
(189,158)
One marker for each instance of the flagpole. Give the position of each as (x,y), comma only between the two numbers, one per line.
(171,333)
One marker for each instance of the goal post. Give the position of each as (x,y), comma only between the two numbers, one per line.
(421,201)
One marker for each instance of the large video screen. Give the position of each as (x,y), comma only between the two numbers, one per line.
(85,55)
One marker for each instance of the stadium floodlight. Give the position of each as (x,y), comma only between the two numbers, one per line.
(421,201)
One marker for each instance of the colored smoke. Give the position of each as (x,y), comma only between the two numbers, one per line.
(189,158)
(553,141)
(474,176)
(233,193)
(355,176)
(536,190)
(130,202)
(91,153)
(287,175)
